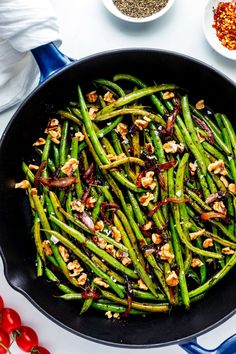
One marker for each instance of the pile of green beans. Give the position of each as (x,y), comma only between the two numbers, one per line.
(143,218)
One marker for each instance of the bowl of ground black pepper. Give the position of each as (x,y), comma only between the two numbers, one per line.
(138,11)
(219,26)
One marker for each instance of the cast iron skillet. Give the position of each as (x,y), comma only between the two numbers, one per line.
(17,249)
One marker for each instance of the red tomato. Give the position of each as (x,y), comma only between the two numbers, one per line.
(4,342)
(40,350)
(10,320)
(1,303)
(26,338)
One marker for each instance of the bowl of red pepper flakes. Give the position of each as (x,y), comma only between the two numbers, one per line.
(219,25)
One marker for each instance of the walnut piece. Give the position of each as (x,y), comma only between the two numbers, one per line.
(192,168)
(33,167)
(82,279)
(220,207)
(157,239)
(146,198)
(196,262)
(99,226)
(92,96)
(208,242)
(232,188)
(23,184)
(172,147)
(111,250)
(75,267)
(200,104)
(108,314)
(227,250)
(115,233)
(147,180)
(70,166)
(100,242)
(172,279)
(79,136)
(54,130)
(149,148)
(47,247)
(64,253)
(196,234)
(90,202)
(40,141)
(148,225)
(142,285)
(122,129)
(112,157)
(126,261)
(218,167)
(168,95)
(142,123)
(93,111)
(99,281)
(165,253)
(77,205)
(109,97)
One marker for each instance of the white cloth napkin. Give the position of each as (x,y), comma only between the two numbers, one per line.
(24,25)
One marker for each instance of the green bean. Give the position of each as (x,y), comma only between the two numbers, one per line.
(63,144)
(74,154)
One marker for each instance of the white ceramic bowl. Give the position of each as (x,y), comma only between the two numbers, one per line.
(210,32)
(114,10)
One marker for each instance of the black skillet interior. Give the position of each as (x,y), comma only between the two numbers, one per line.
(15,222)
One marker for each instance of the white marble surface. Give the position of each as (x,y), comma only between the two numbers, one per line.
(87,28)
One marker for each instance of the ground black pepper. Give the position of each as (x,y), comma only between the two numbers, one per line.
(139,8)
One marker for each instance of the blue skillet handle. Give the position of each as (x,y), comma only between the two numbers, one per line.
(49,59)
(227,347)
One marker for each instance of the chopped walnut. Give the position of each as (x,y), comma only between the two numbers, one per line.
(64,253)
(149,148)
(147,180)
(148,225)
(93,111)
(200,137)
(79,136)
(92,96)
(220,207)
(172,279)
(109,97)
(23,184)
(77,205)
(54,130)
(146,198)
(75,267)
(90,202)
(168,95)
(116,315)
(157,239)
(82,279)
(225,182)
(108,314)
(120,254)
(100,242)
(142,123)
(196,262)
(227,250)
(192,168)
(142,285)
(111,250)
(165,253)
(33,167)
(122,129)
(200,105)
(99,281)
(112,157)
(126,261)
(172,147)
(47,247)
(208,242)
(99,226)
(40,141)
(218,167)
(115,233)
(70,166)
(196,234)
(232,188)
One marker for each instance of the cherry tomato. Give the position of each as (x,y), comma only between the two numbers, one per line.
(39,350)
(4,342)
(26,338)
(10,320)
(1,303)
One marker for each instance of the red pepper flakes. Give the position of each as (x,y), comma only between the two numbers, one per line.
(225,23)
